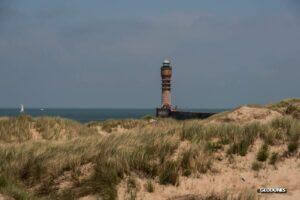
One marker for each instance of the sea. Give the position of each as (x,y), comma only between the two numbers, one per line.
(90,114)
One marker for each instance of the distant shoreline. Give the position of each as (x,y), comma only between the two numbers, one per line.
(88,115)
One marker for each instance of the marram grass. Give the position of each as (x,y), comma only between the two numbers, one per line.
(32,165)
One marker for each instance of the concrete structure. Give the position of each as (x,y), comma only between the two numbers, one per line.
(166,109)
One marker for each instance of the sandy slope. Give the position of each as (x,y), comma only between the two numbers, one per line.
(246,114)
(232,176)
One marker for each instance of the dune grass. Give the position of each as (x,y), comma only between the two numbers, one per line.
(56,128)
(287,106)
(110,125)
(149,186)
(15,129)
(34,168)
(263,153)
(273,158)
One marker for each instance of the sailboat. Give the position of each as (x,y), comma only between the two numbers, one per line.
(22,108)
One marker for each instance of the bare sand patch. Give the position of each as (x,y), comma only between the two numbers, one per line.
(4,197)
(246,114)
(233,176)
(35,134)
(4,118)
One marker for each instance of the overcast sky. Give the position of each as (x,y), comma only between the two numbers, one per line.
(107,54)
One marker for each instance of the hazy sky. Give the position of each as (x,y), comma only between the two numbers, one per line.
(96,53)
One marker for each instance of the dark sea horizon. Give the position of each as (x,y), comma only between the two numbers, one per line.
(85,115)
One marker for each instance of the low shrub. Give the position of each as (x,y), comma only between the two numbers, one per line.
(148,117)
(256,166)
(3,182)
(293,110)
(273,158)
(213,146)
(263,153)
(293,146)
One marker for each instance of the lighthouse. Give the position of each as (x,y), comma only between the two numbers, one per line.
(166,75)
(165,108)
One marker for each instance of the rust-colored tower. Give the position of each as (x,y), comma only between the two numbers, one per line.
(165,109)
(166,75)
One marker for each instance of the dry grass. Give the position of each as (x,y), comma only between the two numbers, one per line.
(288,107)
(111,125)
(15,129)
(51,166)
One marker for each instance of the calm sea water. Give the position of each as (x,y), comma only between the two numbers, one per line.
(87,115)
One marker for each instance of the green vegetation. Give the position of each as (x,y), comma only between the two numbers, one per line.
(14,190)
(15,129)
(131,188)
(284,104)
(56,128)
(149,186)
(148,117)
(169,173)
(185,163)
(213,146)
(263,153)
(273,158)
(292,147)
(38,155)
(110,125)
(256,166)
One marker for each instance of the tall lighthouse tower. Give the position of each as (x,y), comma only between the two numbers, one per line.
(166,109)
(166,75)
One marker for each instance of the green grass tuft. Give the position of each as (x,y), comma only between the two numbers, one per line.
(240,148)
(256,166)
(149,186)
(263,153)
(169,173)
(273,158)
(213,146)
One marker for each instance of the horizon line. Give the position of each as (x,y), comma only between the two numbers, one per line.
(103,108)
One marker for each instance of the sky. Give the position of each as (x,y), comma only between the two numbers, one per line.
(107,54)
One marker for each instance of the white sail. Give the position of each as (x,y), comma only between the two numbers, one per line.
(22,108)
